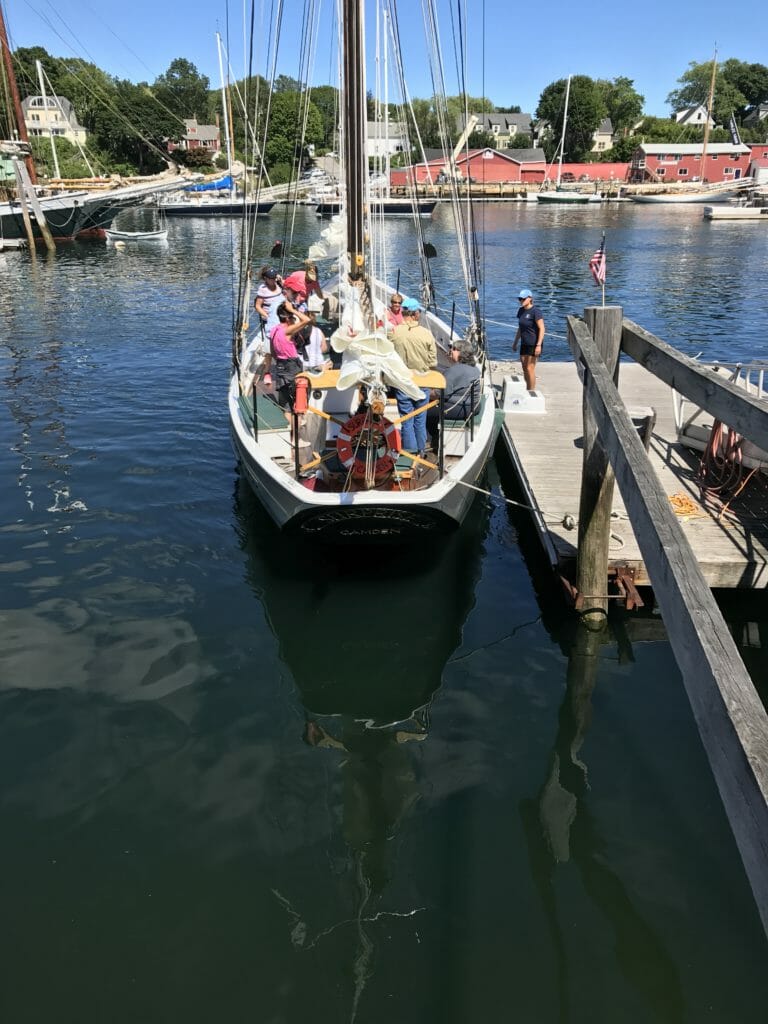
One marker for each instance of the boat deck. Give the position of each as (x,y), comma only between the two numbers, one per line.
(546,450)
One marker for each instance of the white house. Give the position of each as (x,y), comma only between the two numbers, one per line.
(198,136)
(386,139)
(695,116)
(52,117)
(504,127)
(602,138)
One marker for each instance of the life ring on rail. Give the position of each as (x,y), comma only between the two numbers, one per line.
(352,451)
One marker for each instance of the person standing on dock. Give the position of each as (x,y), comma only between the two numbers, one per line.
(530,334)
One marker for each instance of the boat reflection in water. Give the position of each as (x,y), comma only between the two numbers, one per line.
(366,636)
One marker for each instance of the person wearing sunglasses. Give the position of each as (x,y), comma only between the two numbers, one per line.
(530,335)
(395,311)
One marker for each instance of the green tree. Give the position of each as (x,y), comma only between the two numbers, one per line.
(694,89)
(134,129)
(520,140)
(284,83)
(480,139)
(623,104)
(184,90)
(326,98)
(508,110)
(585,112)
(751,80)
(283,136)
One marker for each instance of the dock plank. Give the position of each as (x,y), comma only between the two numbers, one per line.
(546,449)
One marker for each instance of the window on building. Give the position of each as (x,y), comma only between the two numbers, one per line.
(727,170)
(713,156)
(682,171)
(34,117)
(661,171)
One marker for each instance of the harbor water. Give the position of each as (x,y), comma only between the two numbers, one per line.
(244,781)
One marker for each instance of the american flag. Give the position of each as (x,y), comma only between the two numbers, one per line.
(597,264)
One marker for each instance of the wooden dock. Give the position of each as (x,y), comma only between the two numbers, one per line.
(547,452)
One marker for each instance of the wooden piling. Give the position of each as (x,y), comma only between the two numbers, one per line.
(731,718)
(596,499)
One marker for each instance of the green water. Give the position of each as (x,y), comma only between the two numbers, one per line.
(243,781)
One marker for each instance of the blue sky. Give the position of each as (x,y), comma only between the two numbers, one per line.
(521,53)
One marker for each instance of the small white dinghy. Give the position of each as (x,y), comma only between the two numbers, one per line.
(138,236)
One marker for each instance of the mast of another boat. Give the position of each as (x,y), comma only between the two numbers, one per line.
(15,98)
(562,135)
(39,67)
(710,104)
(354,138)
(387,155)
(225,109)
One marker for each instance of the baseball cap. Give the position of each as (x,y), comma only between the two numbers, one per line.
(525,293)
(411,306)
(270,272)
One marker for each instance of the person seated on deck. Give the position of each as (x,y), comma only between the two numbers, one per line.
(269,295)
(417,348)
(462,373)
(285,355)
(394,311)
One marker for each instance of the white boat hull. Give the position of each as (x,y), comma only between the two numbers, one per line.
(736,213)
(687,197)
(137,236)
(361,516)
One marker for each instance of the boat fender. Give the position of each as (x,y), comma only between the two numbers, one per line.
(302,392)
(348,445)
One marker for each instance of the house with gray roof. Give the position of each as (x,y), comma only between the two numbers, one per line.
(198,136)
(695,116)
(504,127)
(52,116)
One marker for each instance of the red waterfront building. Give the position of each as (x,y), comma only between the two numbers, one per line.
(665,162)
(507,166)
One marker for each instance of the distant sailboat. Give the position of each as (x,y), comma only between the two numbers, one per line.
(561,195)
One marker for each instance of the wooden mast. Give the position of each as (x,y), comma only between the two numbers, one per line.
(710,104)
(15,98)
(354,110)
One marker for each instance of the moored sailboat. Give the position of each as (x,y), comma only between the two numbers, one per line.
(560,194)
(334,468)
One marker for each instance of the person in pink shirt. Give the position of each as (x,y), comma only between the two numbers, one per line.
(394,311)
(286,360)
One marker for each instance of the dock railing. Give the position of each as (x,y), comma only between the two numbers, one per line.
(730,716)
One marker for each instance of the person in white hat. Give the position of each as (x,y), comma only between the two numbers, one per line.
(530,335)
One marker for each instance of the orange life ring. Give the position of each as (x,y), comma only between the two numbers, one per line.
(352,454)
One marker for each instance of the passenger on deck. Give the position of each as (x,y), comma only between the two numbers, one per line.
(269,295)
(394,311)
(313,346)
(286,358)
(459,378)
(417,348)
(304,283)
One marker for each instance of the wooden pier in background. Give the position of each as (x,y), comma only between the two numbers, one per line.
(568,460)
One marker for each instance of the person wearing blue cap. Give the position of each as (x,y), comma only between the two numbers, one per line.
(530,335)
(417,348)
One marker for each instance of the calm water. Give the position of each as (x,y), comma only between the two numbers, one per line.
(241,782)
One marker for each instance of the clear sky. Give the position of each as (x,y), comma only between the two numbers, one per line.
(523,50)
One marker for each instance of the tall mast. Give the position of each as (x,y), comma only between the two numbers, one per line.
(224,107)
(354,114)
(39,67)
(15,98)
(562,137)
(710,103)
